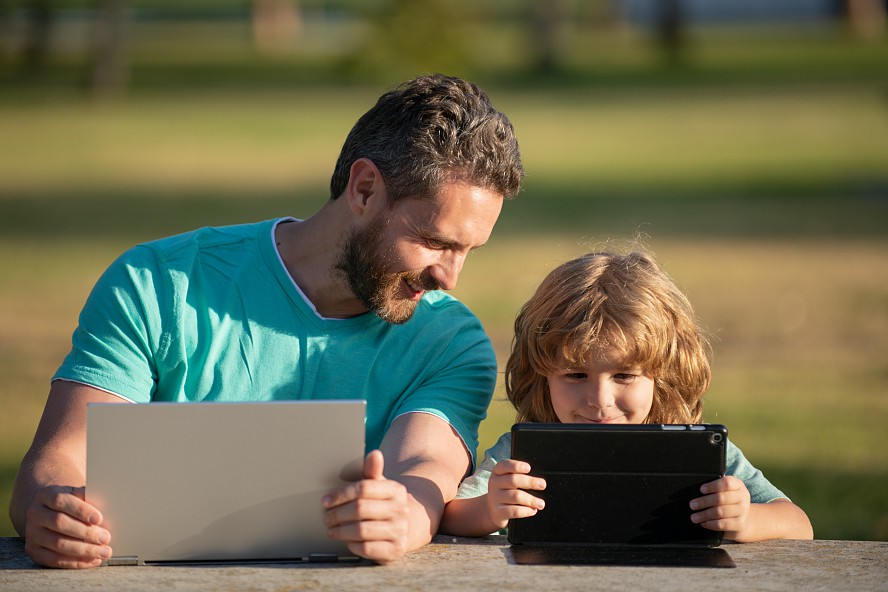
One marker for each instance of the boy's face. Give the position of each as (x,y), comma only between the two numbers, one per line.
(603,390)
(416,246)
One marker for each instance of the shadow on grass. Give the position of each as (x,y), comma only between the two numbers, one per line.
(775,211)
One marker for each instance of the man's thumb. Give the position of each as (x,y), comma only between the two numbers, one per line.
(373,465)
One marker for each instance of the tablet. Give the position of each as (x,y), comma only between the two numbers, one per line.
(618,484)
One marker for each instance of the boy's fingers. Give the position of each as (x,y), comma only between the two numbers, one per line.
(506,467)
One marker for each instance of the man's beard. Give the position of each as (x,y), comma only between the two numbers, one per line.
(364,265)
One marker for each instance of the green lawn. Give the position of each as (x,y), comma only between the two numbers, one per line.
(766,202)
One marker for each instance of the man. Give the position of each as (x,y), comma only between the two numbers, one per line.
(345,304)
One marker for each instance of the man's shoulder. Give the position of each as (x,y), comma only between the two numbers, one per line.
(439,307)
(441,300)
(209,237)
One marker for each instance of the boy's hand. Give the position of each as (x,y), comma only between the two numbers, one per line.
(505,499)
(725,506)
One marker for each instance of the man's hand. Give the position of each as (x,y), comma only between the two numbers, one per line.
(505,498)
(59,527)
(64,531)
(370,515)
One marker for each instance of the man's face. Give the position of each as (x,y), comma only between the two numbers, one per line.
(415,246)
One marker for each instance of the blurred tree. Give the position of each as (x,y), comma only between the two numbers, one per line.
(671,33)
(276,25)
(545,17)
(37,34)
(406,37)
(110,64)
(865,18)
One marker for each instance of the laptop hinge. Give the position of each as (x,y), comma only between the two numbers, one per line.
(323,558)
(123,561)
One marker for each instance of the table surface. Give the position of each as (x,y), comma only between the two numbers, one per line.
(485,564)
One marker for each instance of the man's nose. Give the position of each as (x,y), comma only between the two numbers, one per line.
(446,271)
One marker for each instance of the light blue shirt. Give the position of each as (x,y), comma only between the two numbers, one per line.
(213,314)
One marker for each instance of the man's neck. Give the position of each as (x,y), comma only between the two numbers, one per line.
(309,250)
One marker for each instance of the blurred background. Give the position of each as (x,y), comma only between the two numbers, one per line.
(744,142)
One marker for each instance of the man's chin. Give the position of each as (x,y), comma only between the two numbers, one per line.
(397,314)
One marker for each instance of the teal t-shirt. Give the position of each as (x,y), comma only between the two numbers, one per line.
(761,490)
(213,314)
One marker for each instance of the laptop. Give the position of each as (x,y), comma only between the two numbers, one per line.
(221,481)
(619,494)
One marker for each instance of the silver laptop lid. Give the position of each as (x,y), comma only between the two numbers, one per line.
(217,481)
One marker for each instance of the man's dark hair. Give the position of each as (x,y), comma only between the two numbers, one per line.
(430,130)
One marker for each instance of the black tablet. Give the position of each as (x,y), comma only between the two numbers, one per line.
(618,484)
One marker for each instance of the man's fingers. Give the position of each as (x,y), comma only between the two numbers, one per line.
(49,558)
(69,501)
(380,489)
(67,524)
(63,551)
(362,509)
(364,530)
(382,552)
(63,531)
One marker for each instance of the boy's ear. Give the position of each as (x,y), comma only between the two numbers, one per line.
(366,188)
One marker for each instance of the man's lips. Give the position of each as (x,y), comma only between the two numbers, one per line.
(414,291)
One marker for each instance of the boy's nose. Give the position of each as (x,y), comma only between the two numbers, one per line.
(599,397)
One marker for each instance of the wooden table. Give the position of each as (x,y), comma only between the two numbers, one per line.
(483,564)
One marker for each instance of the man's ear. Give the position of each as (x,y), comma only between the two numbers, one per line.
(366,188)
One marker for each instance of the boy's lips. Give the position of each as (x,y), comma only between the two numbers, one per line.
(583,419)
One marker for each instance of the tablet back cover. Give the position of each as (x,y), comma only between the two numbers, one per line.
(628,484)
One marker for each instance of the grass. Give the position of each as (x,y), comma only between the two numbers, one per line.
(765,198)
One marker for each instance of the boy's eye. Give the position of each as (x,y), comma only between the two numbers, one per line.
(575,375)
(624,376)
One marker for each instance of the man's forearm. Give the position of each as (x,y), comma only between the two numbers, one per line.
(425,503)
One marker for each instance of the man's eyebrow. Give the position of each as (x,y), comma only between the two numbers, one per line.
(444,241)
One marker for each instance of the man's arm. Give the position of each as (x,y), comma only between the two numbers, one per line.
(48,507)
(384,517)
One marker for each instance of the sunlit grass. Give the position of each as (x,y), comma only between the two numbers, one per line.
(663,140)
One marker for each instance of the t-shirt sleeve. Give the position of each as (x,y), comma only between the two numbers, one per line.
(761,491)
(460,375)
(476,484)
(113,344)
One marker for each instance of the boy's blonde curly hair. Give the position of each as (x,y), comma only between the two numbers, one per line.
(625,304)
